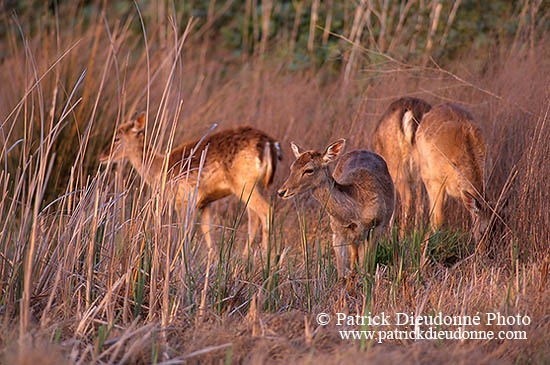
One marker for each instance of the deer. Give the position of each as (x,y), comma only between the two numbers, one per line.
(394,139)
(450,152)
(240,162)
(359,194)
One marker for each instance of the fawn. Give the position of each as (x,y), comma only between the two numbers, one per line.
(359,194)
(450,152)
(394,140)
(240,162)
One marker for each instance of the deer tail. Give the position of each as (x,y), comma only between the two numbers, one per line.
(272,155)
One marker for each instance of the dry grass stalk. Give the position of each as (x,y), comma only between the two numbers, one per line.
(434,17)
(298,6)
(450,21)
(267,6)
(328,22)
(313,24)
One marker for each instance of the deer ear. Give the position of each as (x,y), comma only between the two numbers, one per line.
(471,202)
(297,150)
(139,124)
(409,125)
(334,150)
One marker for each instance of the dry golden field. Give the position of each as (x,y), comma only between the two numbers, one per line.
(96,268)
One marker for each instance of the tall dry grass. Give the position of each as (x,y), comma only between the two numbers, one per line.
(94,265)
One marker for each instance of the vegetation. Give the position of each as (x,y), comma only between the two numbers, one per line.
(95,267)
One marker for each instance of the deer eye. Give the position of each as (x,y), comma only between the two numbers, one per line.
(117,139)
(307,172)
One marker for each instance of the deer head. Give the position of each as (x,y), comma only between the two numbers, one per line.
(128,141)
(310,169)
(481,212)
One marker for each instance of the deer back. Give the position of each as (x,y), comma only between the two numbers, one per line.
(366,176)
(236,159)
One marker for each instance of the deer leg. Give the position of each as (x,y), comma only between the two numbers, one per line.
(419,203)
(338,245)
(253,222)
(375,236)
(260,206)
(436,193)
(353,256)
(206,225)
(405,192)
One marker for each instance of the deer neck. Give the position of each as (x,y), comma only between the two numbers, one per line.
(333,196)
(148,164)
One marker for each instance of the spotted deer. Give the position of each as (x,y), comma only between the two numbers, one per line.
(239,162)
(359,194)
(394,140)
(450,152)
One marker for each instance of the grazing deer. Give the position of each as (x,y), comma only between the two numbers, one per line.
(450,152)
(394,140)
(240,161)
(359,194)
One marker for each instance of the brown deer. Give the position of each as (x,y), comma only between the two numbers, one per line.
(450,152)
(240,162)
(359,194)
(394,140)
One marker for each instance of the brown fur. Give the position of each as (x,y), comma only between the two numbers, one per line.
(225,146)
(451,152)
(240,162)
(359,194)
(395,146)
